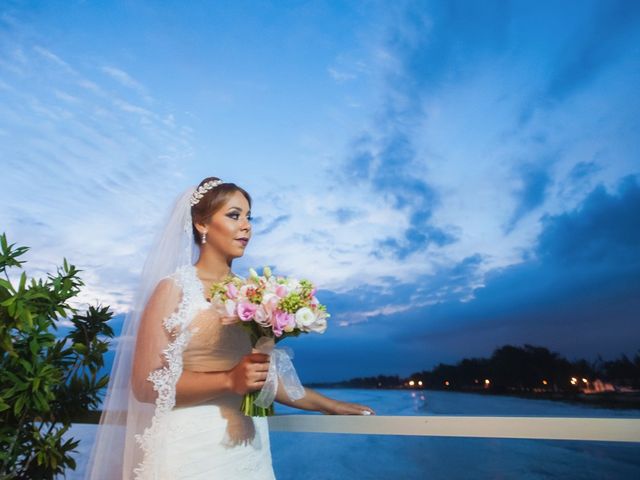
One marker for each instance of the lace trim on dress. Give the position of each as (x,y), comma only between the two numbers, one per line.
(165,378)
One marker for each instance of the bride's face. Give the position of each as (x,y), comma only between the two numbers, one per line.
(229,229)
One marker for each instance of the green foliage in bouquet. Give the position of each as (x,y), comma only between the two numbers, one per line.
(46,380)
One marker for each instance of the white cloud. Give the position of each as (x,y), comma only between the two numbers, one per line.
(101,167)
(341,76)
(89,172)
(66,96)
(337,255)
(52,57)
(128,107)
(127,80)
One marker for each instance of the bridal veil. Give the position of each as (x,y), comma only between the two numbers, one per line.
(143,377)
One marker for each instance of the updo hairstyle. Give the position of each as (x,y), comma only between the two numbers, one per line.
(211,202)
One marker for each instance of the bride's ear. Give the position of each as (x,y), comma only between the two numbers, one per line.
(200,227)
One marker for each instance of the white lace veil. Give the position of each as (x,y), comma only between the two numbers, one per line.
(130,400)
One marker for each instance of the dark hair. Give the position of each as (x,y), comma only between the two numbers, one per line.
(212,201)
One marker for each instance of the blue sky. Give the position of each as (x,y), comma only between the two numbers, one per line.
(453,175)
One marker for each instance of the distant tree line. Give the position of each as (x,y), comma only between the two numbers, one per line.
(530,368)
(512,368)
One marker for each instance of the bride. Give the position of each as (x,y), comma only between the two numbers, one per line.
(172,409)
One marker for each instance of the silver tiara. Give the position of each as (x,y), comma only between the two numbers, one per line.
(202,189)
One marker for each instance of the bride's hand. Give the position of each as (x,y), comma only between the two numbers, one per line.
(249,374)
(346,408)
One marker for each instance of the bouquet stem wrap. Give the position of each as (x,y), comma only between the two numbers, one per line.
(280,370)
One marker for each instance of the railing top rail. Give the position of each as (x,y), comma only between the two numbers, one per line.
(540,428)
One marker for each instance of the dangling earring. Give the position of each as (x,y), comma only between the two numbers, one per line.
(204,237)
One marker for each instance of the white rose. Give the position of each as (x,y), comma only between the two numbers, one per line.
(319,326)
(305,317)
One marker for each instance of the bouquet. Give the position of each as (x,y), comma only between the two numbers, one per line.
(271,308)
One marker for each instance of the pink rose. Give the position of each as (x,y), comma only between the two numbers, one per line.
(261,317)
(232,290)
(281,291)
(283,321)
(246,310)
(280,322)
(270,302)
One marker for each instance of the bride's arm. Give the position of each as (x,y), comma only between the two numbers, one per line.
(247,376)
(152,339)
(315,401)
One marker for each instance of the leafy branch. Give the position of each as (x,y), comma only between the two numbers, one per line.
(46,378)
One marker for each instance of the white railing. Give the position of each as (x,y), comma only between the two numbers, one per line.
(539,428)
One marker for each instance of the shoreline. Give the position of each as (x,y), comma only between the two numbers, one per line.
(609,400)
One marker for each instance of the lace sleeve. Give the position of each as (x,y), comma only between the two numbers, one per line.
(159,349)
(154,338)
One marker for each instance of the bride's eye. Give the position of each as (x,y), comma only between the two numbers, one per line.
(236,216)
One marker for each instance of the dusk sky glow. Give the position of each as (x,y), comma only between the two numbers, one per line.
(453,175)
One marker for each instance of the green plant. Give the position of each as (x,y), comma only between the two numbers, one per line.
(46,378)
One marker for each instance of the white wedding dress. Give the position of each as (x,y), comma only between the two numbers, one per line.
(209,441)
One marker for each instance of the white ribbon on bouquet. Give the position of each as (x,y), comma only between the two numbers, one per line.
(280,369)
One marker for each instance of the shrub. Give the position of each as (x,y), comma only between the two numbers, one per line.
(47,378)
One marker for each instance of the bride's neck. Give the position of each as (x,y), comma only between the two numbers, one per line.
(211,266)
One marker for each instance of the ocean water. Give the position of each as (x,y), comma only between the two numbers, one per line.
(339,456)
(347,456)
